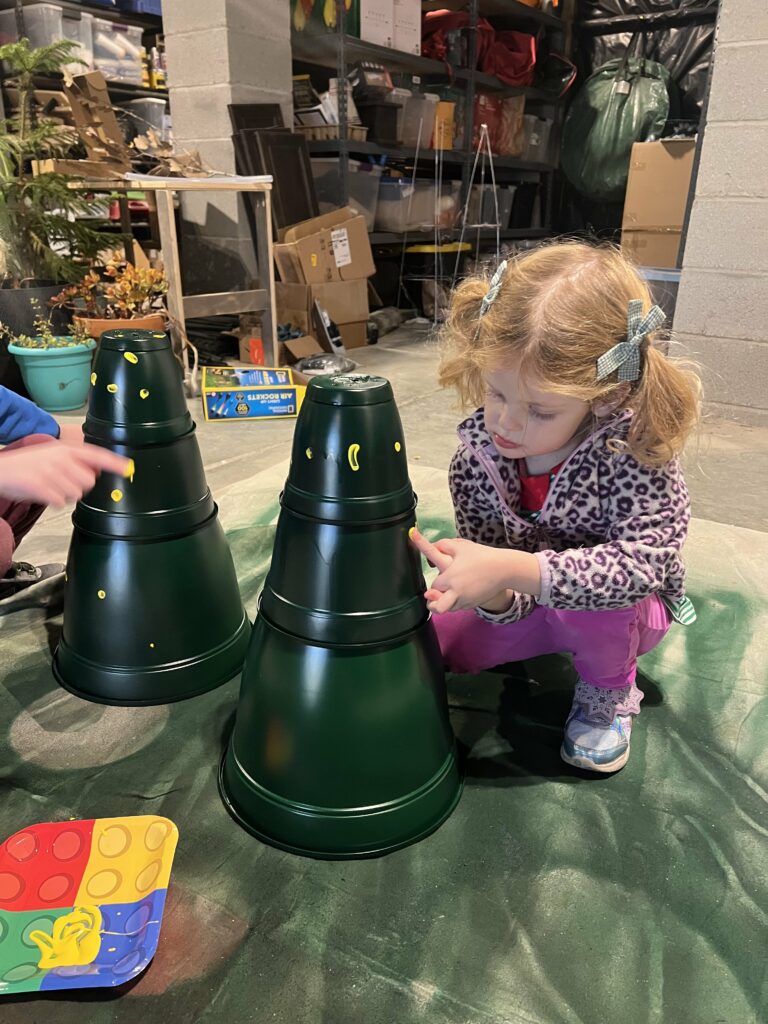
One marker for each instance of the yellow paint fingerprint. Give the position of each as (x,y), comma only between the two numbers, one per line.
(130,470)
(112,389)
(398,446)
(352,453)
(143,393)
(101,594)
(131,357)
(116,495)
(152,646)
(94,378)
(308,453)
(411,532)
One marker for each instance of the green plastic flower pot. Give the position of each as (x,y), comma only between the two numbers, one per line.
(56,378)
(342,745)
(340,751)
(152,610)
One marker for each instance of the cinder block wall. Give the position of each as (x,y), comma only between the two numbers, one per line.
(722,309)
(221,52)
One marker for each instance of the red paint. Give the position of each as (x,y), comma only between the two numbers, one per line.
(42,866)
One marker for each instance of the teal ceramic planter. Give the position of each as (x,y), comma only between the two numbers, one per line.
(57,378)
(342,745)
(152,609)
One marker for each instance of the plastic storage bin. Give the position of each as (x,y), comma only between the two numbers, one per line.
(482,209)
(117,50)
(47,23)
(399,98)
(419,115)
(363,187)
(148,112)
(406,205)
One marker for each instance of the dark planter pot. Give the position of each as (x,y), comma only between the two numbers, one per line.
(152,610)
(342,745)
(18,313)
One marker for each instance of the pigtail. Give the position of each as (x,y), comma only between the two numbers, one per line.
(665,407)
(458,364)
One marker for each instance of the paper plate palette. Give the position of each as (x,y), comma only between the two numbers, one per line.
(81,902)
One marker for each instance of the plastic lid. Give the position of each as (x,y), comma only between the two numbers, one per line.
(349,389)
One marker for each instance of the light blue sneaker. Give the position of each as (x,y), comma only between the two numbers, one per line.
(599,727)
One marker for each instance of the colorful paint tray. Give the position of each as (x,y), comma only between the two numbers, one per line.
(81,902)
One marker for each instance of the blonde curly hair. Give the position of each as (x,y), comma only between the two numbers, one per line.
(558,309)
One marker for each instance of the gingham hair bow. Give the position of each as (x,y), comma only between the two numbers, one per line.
(490,296)
(625,356)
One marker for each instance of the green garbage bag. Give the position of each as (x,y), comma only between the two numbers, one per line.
(626,100)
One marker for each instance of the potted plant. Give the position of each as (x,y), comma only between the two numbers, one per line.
(56,368)
(43,239)
(119,296)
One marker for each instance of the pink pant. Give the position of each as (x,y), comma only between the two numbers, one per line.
(17,517)
(604,645)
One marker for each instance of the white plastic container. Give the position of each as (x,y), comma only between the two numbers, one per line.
(149,112)
(47,23)
(363,187)
(419,117)
(416,206)
(399,97)
(482,209)
(117,50)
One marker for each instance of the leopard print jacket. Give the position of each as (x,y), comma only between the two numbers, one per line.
(610,532)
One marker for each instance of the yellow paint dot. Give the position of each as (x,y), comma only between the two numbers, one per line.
(152,646)
(112,389)
(131,357)
(117,495)
(411,532)
(308,453)
(143,393)
(398,446)
(158,335)
(94,378)
(129,470)
(101,594)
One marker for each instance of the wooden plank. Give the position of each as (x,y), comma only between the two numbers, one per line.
(215,303)
(266,267)
(170,185)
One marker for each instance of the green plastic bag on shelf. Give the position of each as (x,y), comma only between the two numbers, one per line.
(626,100)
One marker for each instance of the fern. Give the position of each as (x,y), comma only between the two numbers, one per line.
(40,234)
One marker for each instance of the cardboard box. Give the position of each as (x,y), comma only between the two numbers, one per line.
(656,200)
(377,21)
(240,393)
(406,33)
(652,248)
(331,247)
(346,304)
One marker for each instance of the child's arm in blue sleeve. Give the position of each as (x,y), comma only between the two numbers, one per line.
(19,418)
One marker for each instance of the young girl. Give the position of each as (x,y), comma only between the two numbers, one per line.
(571,508)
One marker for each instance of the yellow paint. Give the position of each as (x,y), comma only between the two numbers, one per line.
(112,389)
(158,335)
(308,453)
(411,532)
(74,942)
(116,495)
(352,453)
(398,446)
(143,393)
(94,378)
(131,357)
(130,857)
(101,594)
(152,646)
(130,470)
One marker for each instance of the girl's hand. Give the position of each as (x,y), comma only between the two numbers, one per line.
(56,474)
(71,433)
(470,575)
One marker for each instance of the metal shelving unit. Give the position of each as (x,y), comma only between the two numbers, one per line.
(145,21)
(338,50)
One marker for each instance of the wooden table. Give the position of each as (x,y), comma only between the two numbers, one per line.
(180,306)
